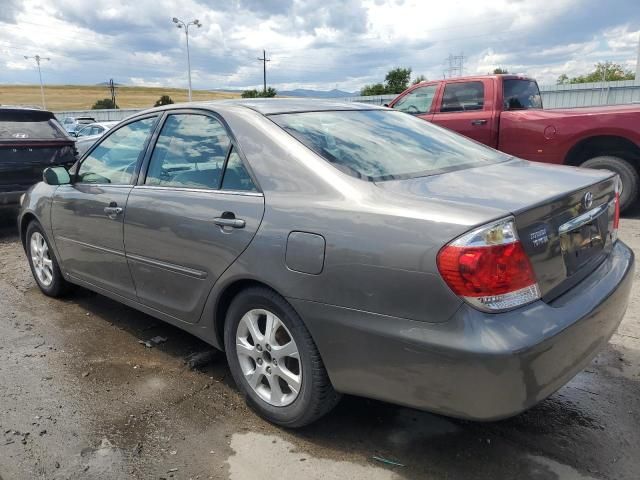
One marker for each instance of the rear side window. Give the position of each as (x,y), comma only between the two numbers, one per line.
(521,94)
(190,152)
(417,101)
(463,96)
(236,176)
(16,125)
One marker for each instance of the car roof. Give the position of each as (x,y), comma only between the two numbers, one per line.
(273,106)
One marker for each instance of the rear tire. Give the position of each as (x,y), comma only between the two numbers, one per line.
(43,262)
(628,175)
(262,373)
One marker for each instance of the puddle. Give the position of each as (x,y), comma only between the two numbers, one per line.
(272,457)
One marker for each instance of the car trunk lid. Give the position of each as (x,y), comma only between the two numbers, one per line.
(563,215)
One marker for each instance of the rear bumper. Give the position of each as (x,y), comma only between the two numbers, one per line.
(476,365)
(11,199)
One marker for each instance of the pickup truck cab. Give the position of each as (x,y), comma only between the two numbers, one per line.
(505,112)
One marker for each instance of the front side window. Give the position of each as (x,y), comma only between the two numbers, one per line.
(521,94)
(190,152)
(417,101)
(114,160)
(379,145)
(463,96)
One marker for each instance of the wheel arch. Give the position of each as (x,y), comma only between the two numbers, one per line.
(25,220)
(597,145)
(224,299)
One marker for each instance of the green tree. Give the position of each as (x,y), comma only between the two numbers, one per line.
(253,93)
(375,89)
(104,104)
(418,79)
(397,80)
(163,100)
(500,71)
(604,71)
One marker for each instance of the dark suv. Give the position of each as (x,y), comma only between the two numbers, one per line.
(30,141)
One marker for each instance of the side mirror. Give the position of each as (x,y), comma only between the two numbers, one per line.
(385,105)
(56,176)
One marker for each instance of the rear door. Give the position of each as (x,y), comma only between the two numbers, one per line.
(87,216)
(465,107)
(418,102)
(192,214)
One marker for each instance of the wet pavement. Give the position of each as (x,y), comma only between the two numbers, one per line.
(80,397)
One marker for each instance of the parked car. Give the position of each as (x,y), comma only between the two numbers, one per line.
(505,112)
(336,248)
(30,140)
(87,135)
(73,124)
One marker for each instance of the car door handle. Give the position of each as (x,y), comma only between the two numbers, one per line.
(113,211)
(229,222)
(478,122)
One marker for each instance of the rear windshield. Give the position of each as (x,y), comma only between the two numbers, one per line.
(22,126)
(521,95)
(378,145)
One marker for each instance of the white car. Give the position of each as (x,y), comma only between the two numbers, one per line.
(88,135)
(73,124)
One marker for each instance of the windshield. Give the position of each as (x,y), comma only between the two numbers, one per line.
(521,95)
(384,145)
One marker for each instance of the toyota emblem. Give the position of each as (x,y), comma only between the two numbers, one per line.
(587,201)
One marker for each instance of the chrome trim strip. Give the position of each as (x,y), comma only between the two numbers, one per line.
(583,219)
(88,245)
(189,272)
(200,190)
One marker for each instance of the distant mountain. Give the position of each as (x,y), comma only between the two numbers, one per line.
(302,92)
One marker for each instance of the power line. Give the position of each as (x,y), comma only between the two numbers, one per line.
(38,58)
(264,61)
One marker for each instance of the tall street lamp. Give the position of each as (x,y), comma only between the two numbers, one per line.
(38,59)
(180,24)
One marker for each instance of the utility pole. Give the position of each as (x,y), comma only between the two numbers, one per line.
(38,59)
(112,89)
(180,24)
(264,61)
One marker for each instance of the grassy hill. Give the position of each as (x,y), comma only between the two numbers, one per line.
(82,97)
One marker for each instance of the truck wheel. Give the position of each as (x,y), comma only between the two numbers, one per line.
(628,175)
(274,361)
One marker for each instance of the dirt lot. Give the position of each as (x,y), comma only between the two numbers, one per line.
(82,97)
(81,398)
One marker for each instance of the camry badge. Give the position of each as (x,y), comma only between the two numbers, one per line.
(587,201)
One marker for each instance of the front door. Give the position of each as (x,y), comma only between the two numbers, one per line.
(191,216)
(463,109)
(87,216)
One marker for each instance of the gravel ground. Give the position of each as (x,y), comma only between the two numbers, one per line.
(80,397)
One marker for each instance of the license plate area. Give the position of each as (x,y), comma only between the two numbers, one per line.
(583,238)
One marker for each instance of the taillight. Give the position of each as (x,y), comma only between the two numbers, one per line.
(489,268)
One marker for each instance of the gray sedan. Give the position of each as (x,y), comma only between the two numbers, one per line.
(342,249)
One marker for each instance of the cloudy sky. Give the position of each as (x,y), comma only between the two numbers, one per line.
(320,44)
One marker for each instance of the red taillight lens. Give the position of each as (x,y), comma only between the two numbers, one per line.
(485,271)
(489,268)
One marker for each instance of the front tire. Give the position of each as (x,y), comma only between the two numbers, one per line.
(43,263)
(274,361)
(628,176)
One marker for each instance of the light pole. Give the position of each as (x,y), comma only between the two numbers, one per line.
(180,24)
(38,58)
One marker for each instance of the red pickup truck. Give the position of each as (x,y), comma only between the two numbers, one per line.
(505,112)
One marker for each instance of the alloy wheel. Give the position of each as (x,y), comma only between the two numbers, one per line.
(41,260)
(269,357)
